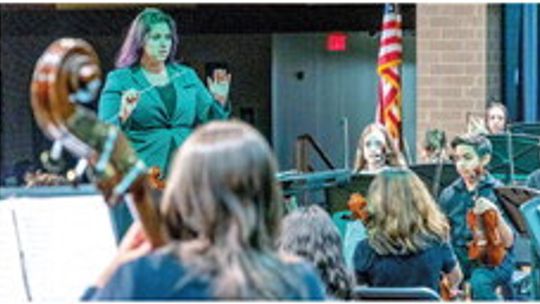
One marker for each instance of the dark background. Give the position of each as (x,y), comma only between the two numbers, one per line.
(237,34)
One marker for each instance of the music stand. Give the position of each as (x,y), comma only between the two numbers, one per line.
(338,196)
(309,188)
(512,197)
(525,128)
(428,173)
(514,154)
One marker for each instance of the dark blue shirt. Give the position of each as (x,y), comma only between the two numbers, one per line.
(455,200)
(421,269)
(161,276)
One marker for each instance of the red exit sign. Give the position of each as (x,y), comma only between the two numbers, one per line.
(336,42)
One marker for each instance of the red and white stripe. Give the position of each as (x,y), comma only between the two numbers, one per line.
(389,62)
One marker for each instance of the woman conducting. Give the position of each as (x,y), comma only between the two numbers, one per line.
(223,219)
(155,101)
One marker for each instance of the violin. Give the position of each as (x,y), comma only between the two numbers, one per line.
(155,178)
(358,206)
(487,245)
(66,75)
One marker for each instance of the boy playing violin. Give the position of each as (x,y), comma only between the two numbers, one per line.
(466,202)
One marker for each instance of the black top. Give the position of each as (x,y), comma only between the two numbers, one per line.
(422,269)
(168,96)
(162,276)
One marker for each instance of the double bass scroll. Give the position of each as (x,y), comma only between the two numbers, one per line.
(68,73)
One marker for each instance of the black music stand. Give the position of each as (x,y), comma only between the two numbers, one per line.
(529,128)
(512,197)
(428,174)
(514,155)
(310,188)
(338,196)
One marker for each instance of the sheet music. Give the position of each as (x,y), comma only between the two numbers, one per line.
(11,276)
(67,242)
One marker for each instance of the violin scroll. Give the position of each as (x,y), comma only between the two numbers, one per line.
(66,74)
(358,205)
(155,178)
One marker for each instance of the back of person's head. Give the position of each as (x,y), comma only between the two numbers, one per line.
(481,145)
(309,232)
(393,156)
(403,216)
(132,48)
(223,193)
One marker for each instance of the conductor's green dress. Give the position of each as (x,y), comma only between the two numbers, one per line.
(162,120)
(156,128)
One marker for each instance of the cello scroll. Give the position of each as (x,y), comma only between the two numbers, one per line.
(68,73)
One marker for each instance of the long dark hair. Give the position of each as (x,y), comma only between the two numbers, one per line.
(132,47)
(223,190)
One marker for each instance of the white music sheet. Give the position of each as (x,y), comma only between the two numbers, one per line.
(67,242)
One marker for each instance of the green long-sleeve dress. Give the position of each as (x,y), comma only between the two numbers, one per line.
(153,129)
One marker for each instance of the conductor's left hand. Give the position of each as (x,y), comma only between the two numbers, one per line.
(219,85)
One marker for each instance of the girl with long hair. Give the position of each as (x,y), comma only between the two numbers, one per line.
(156,101)
(376,150)
(407,242)
(222,210)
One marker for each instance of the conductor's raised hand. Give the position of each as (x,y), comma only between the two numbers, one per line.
(219,85)
(128,103)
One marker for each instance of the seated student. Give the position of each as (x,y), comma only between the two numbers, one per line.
(496,118)
(408,236)
(376,150)
(434,146)
(474,189)
(222,210)
(309,232)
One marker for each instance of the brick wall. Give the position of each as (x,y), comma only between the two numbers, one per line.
(451,66)
(494,53)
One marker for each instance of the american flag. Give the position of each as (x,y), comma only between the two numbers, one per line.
(388,69)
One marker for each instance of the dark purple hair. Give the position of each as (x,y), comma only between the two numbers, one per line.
(132,48)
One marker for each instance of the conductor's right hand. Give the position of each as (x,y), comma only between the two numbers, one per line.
(128,102)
